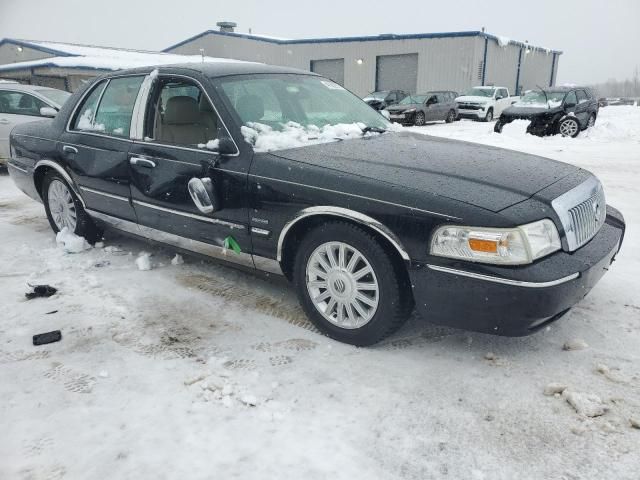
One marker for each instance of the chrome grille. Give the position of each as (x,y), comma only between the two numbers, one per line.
(582,212)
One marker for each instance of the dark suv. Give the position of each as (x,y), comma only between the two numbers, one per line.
(553,110)
(384,98)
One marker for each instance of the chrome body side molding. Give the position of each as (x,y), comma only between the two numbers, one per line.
(58,168)
(504,281)
(214,251)
(191,215)
(342,213)
(104,194)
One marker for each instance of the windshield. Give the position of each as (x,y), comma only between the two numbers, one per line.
(480,92)
(413,99)
(56,96)
(281,111)
(378,95)
(537,99)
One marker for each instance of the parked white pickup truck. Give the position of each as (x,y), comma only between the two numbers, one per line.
(484,103)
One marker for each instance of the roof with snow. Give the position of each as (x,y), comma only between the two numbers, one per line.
(89,57)
(502,41)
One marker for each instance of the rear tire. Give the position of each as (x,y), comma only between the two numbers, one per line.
(64,209)
(419,120)
(451,116)
(359,310)
(592,120)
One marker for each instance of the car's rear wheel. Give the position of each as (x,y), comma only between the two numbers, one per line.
(419,120)
(569,127)
(64,210)
(349,286)
(592,120)
(489,116)
(451,116)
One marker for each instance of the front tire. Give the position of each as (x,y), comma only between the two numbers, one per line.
(349,286)
(64,209)
(419,120)
(569,127)
(489,116)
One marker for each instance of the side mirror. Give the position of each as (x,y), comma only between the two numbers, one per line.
(223,146)
(48,112)
(203,194)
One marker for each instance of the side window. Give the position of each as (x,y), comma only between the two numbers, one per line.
(391,97)
(582,97)
(181,114)
(503,93)
(84,119)
(571,98)
(116,106)
(256,101)
(19,103)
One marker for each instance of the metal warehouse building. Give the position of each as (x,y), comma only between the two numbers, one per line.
(415,62)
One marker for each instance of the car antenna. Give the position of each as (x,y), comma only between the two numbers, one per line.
(546,99)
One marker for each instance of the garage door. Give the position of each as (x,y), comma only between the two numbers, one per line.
(333,69)
(397,72)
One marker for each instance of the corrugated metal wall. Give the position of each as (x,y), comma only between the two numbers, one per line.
(449,63)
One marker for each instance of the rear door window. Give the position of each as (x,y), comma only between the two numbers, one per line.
(113,116)
(571,98)
(85,116)
(582,96)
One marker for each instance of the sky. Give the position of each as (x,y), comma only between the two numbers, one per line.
(599,38)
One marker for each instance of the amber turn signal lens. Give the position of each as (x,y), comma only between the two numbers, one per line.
(487,246)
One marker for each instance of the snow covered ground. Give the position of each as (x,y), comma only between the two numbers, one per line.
(196,371)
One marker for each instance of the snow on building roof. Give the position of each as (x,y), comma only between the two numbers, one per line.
(67,55)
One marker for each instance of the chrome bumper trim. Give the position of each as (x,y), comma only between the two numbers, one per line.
(505,281)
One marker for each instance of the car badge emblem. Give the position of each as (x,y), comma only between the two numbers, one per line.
(596,211)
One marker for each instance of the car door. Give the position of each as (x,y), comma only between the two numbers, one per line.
(570,103)
(16,107)
(96,142)
(431,108)
(502,101)
(582,108)
(181,130)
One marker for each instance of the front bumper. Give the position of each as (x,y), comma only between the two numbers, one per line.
(514,301)
(480,113)
(403,118)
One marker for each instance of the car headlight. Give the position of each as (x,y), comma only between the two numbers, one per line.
(504,246)
(411,110)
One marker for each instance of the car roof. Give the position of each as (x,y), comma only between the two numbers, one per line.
(23,88)
(218,69)
(564,88)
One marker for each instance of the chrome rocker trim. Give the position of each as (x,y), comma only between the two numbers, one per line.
(343,213)
(214,251)
(505,281)
(191,215)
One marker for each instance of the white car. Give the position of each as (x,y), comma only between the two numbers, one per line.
(25,103)
(484,103)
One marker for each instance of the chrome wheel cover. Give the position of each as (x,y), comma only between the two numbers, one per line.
(61,206)
(342,285)
(420,119)
(569,128)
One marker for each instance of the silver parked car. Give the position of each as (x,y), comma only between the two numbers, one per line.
(25,103)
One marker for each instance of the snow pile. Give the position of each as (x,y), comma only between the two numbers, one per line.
(575,344)
(70,242)
(210,145)
(264,138)
(503,41)
(586,404)
(177,260)
(143,262)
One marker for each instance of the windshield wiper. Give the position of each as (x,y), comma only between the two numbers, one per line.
(368,129)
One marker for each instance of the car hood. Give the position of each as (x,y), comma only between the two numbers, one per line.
(403,107)
(488,177)
(528,112)
(473,99)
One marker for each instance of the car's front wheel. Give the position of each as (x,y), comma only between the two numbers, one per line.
(64,209)
(489,116)
(569,127)
(349,286)
(420,119)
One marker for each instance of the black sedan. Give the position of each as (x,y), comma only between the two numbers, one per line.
(556,110)
(426,107)
(286,172)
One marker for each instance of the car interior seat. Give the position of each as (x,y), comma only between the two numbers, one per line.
(182,123)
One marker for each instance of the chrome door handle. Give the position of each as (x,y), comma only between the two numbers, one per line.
(143,162)
(4,121)
(69,149)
